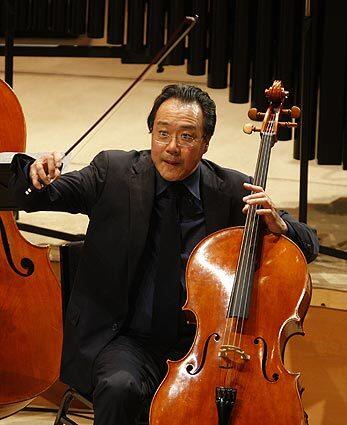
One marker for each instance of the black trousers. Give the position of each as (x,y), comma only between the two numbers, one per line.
(126,375)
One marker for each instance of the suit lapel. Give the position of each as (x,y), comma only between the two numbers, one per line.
(141,188)
(216,203)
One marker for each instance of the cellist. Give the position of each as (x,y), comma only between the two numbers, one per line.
(147,211)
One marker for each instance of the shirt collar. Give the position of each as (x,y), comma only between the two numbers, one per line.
(192,183)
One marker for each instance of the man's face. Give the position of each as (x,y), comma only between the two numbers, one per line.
(178,121)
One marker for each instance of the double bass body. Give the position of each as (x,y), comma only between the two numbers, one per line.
(30,294)
(266,393)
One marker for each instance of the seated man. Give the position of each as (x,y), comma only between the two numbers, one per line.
(147,211)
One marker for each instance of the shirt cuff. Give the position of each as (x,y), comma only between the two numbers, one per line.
(26,171)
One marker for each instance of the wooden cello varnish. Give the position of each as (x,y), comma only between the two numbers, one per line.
(30,296)
(249,292)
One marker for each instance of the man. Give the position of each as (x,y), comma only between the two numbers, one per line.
(124,318)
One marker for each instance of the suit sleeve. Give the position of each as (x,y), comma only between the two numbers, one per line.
(75,192)
(303,235)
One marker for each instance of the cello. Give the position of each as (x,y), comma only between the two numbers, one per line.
(30,294)
(249,291)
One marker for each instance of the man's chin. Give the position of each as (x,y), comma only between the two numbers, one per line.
(170,172)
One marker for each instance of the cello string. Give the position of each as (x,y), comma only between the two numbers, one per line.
(254,230)
(228,329)
(242,263)
(252,221)
(236,289)
(249,258)
(255,223)
(251,224)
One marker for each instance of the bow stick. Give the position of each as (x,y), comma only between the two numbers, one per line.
(184,28)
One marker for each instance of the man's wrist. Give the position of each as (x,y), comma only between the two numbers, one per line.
(290,233)
(284,227)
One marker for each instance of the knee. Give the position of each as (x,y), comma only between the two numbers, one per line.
(120,387)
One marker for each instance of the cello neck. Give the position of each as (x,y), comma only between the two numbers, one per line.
(240,299)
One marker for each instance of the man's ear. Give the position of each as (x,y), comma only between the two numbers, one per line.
(207,143)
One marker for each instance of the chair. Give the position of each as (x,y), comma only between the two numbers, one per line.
(69,258)
(62,414)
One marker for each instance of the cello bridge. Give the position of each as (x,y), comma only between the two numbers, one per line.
(225,349)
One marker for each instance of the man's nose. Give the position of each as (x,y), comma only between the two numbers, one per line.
(172,147)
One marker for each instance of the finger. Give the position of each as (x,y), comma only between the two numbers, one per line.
(254,196)
(260,201)
(245,209)
(253,187)
(265,211)
(57,159)
(56,174)
(51,167)
(41,173)
(35,181)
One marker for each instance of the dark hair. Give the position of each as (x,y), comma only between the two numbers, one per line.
(187,94)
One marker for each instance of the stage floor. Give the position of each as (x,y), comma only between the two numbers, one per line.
(39,418)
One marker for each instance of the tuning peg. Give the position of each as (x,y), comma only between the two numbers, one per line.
(249,128)
(288,124)
(254,115)
(293,112)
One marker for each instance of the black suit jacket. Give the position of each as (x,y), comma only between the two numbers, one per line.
(117,192)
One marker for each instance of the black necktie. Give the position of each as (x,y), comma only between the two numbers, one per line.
(166,300)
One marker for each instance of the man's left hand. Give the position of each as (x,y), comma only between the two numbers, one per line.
(268,211)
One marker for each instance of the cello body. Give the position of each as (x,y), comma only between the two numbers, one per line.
(30,295)
(266,392)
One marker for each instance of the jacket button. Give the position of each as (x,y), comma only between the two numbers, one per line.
(115,327)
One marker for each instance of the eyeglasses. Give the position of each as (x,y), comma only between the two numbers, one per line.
(183,140)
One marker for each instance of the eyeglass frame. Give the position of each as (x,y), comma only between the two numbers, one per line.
(190,144)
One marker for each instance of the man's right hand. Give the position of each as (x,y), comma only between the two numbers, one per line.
(45,169)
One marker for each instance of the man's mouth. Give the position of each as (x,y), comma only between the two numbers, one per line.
(171,162)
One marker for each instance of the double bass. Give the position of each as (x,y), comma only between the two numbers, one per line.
(30,295)
(249,291)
